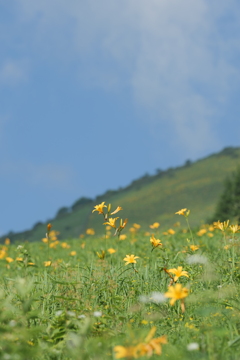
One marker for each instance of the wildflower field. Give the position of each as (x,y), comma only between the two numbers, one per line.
(130,293)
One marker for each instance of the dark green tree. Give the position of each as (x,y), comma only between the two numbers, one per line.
(228,206)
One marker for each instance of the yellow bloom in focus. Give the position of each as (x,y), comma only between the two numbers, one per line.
(221,225)
(111,222)
(122,237)
(155,242)
(176,292)
(130,259)
(73,253)
(100,207)
(47,263)
(136,226)
(90,231)
(171,231)
(9,259)
(117,210)
(7,241)
(178,273)
(154,225)
(233,228)
(111,251)
(125,352)
(65,245)
(181,212)
(194,247)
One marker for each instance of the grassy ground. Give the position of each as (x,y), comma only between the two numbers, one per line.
(83,305)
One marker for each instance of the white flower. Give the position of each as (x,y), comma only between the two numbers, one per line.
(193,346)
(197,259)
(157,297)
(81,316)
(58,313)
(97,313)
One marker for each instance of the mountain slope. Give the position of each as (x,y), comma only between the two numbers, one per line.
(196,186)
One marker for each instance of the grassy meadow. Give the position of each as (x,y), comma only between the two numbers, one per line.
(169,294)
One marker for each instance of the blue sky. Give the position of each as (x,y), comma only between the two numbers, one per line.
(96,93)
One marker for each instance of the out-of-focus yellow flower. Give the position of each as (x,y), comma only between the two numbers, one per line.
(171,231)
(122,352)
(111,222)
(47,263)
(130,259)
(19,259)
(3,254)
(100,207)
(155,242)
(65,245)
(111,251)
(101,254)
(132,230)
(9,259)
(31,264)
(184,231)
(165,233)
(194,247)
(178,273)
(155,225)
(151,345)
(122,226)
(7,241)
(181,212)
(221,225)
(233,228)
(54,244)
(90,231)
(122,237)
(45,240)
(176,292)
(210,234)
(83,245)
(108,227)
(117,210)
(49,226)
(136,226)
(226,247)
(211,228)
(81,236)
(73,253)
(201,232)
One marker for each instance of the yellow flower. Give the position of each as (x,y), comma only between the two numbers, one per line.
(65,245)
(111,251)
(154,225)
(49,226)
(130,259)
(132,230)
(122,226)
(81,236)
(125,352)
(234,229)
(176,292)
(155,242)
(3,254)
(136,226)
(100,207)
(194,247)
(7,241)
(45,240)
(19,259)
(54,244)
(181,212)
(47,263)
(9,259)
(226,247)
(83,245)
(178,273)
(90,231)
(209,234)
(117,210)
(101,255)
(73,253)
(111,222)
(171,231)
(151,345)
(201,232)
(31,264)
(122,237)
(221,225)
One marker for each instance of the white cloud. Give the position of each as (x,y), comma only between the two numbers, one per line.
(13,71)
(175,55)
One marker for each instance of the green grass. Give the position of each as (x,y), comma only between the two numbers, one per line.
(49,312)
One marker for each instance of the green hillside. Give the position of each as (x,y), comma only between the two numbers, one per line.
(196,186)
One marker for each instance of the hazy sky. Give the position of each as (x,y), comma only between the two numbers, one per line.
(96,93)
